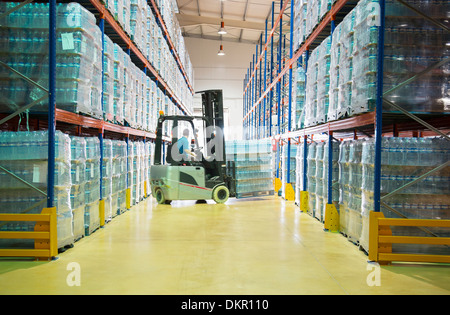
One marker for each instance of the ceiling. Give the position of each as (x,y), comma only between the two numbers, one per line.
(244,19)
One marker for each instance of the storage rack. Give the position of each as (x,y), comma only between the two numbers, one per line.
(370,124)
(83,125)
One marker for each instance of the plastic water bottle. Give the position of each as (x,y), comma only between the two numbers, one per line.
(414,155)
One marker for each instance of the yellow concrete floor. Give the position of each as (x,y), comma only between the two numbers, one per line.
(248,246)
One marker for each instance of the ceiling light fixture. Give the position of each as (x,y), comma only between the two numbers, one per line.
(221,52)
(222,30)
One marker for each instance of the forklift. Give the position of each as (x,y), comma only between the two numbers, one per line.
(201,173)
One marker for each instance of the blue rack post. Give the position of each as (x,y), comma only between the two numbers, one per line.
(304,191)
(291,54)
(379,110)
(265,83)
(260,89)
(128,192)
(280,42)
(271,72)
(247,126)
(51,104)
(249,102)
(249,91)
(244,112)
(252,99)
(330,168)
(100,134)
(283,85)
(330,148)
(255,90)
(255,112)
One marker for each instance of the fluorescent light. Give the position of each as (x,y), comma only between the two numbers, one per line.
(222,30)
(221,52)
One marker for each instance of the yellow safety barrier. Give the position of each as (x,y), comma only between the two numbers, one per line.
(44,235)
(289,193)
(381,239)
(145,189)
(277,185)
(128,198)
(331,218)
(304,200)
(101,212)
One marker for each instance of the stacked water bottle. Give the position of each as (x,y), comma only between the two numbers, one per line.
(411,45)
(77,190)
(317,176)
(136,170)
(119,85)
(24,44)
(344,185)
(364,57)
(335,174)
(284,169)
(119,177)
(311,89)
(300,16)
(25,154)
(252,166)
(311,177)
(107,173)
(131,178)
(147,162)
(138,20)
(79,85)
(92,186)
(108,79)
(299,172)
(323,81)
(318,205)
(352,191)
(299,97)
(341,68)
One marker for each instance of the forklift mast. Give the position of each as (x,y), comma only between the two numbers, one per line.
(212,106)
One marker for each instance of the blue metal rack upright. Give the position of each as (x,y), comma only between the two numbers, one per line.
(51,104)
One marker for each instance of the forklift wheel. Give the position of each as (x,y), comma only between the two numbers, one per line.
(159,195)
(221,194)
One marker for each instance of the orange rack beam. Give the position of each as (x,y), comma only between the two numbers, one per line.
(89,122)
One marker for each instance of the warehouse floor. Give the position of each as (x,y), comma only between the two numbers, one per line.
(248,246)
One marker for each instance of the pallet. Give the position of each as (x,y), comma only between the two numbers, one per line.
(64,248)
(78,238)
(255,194)
(353,240)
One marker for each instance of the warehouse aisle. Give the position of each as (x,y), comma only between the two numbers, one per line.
(252,246)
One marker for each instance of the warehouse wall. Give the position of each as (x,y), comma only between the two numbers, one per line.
(221,72)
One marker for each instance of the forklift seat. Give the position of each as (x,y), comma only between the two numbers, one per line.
(169,159)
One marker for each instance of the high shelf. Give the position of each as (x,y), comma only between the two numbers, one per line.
(382,91)
(83,123)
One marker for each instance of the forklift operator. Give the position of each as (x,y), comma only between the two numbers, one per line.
(183,145)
